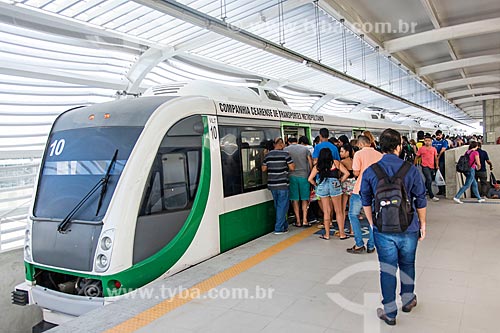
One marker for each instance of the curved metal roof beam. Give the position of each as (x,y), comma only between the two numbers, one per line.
(146,62)
(457,64)
(44,73)
(468,92)
(467,81)
(320,102)
(437,35)
(476,98)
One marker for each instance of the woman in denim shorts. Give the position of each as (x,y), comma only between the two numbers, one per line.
(329,186)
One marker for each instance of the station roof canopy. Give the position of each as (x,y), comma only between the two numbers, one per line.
(434,62)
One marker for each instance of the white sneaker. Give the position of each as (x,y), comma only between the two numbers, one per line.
(435,199)
(458,201)
(481,200)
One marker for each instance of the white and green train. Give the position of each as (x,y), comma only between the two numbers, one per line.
(135,190)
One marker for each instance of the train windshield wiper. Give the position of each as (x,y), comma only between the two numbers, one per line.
(105,181)
(63,226)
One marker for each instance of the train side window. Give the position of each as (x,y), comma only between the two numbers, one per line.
(242,153)
(193,171)
(155,198)
(175,172)
(175,182)
(252,154)
(231,160)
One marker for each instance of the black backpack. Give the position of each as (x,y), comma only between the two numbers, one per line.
(393,210)
(463,163)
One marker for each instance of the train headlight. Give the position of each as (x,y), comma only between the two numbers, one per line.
(104,250)
(28,256)
(102,261)
(106,243)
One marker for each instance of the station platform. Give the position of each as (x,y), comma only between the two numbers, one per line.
(296,282)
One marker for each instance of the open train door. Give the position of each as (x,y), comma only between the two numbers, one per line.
(296,130)
(357,132)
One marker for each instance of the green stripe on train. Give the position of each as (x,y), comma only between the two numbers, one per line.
(243,225)
(153,267)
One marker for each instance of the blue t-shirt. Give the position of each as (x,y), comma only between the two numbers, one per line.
(440,144)
(326,144)
(415,187)
(483,157)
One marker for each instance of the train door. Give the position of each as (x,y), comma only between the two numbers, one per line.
(356,132)
(295,130)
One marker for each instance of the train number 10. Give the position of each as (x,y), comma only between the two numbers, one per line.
(213,130)
(57,147)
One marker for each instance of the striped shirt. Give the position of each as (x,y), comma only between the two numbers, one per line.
(277,169)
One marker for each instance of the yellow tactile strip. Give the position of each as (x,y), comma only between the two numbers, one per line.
(146,317)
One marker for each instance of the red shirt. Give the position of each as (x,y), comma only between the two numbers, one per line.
(428,154)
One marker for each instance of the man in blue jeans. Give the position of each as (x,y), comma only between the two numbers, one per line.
(396,249)
(277,163)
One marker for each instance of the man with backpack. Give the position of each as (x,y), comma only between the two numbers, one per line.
(468,164)
(396,191)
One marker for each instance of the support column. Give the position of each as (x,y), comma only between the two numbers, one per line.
(491,118)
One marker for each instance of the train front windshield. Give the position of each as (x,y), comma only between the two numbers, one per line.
(75,161)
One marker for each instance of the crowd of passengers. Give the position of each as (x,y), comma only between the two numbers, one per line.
(322,181)
(342,174)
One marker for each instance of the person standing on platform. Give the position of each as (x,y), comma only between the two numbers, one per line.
(329,189)
(366,156)
(482,174)
(470,180)
(347,153)
(303,140)
(299,186)
(369,135)
(420,139)
(450,142)
(396,250)
(313,208)
(344,140)
(324,143)
(441,146)
(408,152)
(324,134)
(428,154)
(333,140)
(277,163)
(413,144)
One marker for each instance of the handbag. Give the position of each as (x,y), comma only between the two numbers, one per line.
(493,179)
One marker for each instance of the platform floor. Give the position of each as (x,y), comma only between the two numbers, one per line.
(458,279)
